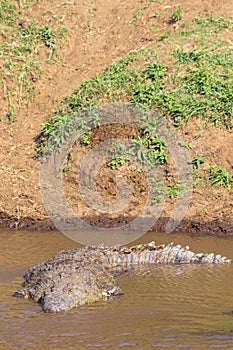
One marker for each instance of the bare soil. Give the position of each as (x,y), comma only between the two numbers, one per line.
(99,34)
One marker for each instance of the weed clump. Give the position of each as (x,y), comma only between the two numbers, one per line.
(219,176)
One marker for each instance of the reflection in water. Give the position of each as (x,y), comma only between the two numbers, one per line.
(163,306)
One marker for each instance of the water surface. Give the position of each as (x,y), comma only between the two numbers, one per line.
(171,307)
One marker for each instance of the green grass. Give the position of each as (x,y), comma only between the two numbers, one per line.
(23,44)
(178,80)
(184,83)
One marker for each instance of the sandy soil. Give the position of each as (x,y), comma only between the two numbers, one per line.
(100,33)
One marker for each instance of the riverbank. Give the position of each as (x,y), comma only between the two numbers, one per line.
(93,36)
(220,228)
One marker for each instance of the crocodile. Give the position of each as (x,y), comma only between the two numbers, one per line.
(86,275)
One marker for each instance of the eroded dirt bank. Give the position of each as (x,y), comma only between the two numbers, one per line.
(99,34)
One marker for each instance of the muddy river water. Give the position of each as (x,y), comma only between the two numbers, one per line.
(171,307)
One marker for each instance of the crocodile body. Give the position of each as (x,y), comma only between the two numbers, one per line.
(79,276)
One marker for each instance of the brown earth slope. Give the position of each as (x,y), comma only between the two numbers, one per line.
(100,33)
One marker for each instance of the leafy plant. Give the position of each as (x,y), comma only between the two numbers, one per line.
(197,161)
(85,138)
(219,176)
(176,189)
(146,149)
(149,150)
(117,162)
(48,36)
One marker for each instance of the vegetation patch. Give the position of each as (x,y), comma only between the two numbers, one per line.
(186,76)
(146,149)
(25,46)
(219,176)
(194,78)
